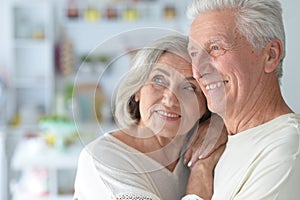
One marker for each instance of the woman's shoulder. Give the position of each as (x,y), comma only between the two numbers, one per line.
(109,149)
(104,142)
(115,138)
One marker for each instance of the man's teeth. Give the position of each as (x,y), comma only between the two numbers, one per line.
(167,114)
(214,85)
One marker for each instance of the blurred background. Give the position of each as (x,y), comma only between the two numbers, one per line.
(60,62)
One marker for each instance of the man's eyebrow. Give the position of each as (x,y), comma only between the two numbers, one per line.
(212,41)
(193,45)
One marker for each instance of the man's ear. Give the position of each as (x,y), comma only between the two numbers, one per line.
(274,53)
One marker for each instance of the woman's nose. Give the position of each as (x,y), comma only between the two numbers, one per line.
(169,98)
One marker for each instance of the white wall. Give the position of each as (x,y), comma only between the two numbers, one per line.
(4,60)
(4,33)
(291,77)
(291,74)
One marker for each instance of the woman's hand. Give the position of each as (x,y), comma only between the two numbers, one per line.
(211,134)
(201,176)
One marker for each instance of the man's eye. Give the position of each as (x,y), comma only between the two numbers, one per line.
(216,50)
(216,47)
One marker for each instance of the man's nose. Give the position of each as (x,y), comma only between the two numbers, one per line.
(201,64)
(196,73)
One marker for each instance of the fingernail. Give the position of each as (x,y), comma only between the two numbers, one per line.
(184,161)
(189,164)
(202,156)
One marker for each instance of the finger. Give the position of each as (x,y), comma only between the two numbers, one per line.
(195,156)
(193,160)
(193,150)
(216,136)
(219,151)
(213,158)
(210,146)
(187,156)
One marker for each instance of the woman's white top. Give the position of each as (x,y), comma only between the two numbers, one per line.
(110,169)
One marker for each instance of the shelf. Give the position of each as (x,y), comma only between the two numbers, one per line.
(36,82)
(34,153)
(53,197)
(118,26)
(114,22)
(33,47)
(29,43)
(30,3)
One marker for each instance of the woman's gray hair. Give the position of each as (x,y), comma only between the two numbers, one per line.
(126,108)
(260,21)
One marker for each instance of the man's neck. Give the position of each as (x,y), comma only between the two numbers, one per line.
(264,110)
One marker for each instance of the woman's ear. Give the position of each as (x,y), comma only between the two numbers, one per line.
(274,53)
(137,96)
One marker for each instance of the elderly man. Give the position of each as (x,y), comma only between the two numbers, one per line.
(237,49)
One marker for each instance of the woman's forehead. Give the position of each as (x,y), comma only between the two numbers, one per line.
(175,61)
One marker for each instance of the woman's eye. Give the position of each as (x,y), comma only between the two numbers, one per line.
(190,87)
(158,79)
(194,54)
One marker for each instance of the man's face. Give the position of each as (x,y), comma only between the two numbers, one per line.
(225,65)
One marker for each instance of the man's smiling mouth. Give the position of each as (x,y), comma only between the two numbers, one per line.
(215,85)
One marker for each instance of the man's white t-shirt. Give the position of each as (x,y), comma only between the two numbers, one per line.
(261,163)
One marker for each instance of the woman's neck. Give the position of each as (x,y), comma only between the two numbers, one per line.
(161,149)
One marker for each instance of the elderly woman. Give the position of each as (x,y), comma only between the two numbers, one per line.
(157,105)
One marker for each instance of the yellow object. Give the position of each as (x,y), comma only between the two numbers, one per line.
(130,14)
(50,139)
(57,131)
(170,12)
(92,14)
(16,120)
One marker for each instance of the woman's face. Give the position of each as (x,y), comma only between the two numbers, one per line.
(170,101)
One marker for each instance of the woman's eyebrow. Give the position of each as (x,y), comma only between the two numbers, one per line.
(162,71)
(190,78)
(191,47)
